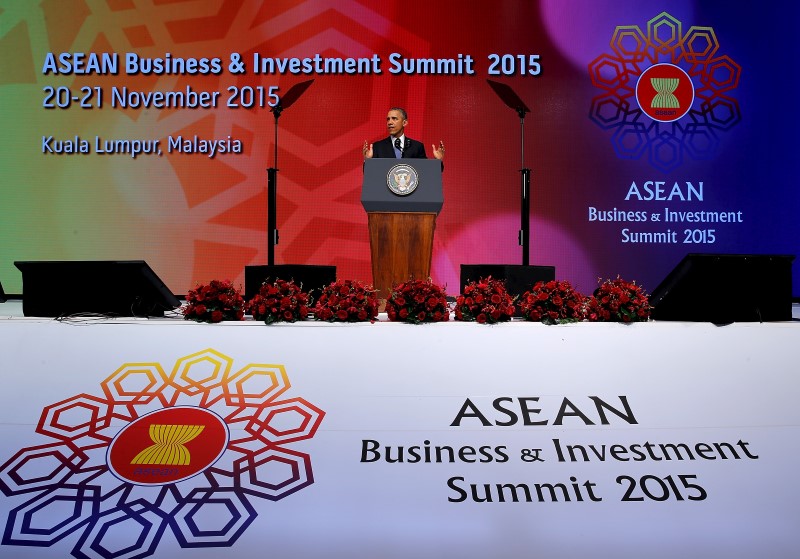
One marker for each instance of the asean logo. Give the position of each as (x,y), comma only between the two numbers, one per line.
(665,94)
(183,453)
(176,444)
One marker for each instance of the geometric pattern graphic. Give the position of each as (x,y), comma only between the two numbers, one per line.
(69,488)
(714,77)
(220,203)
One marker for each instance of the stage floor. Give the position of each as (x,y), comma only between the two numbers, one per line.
(12,308)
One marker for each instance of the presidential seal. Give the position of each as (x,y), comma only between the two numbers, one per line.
(402,179)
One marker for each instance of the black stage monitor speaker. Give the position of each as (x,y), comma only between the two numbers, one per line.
(109,287)
(311,279)
(725,288)
(518,278)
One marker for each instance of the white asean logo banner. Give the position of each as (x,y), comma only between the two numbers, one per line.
(451,439)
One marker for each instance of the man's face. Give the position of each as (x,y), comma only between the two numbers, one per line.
(395,123)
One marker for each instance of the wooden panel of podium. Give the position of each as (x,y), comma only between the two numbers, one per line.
(401,225)
(401,246)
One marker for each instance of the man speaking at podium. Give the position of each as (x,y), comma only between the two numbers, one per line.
(401,217)
(398,145)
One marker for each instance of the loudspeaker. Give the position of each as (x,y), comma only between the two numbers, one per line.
(311,279)
(108,287)
(518,278)
(725,288)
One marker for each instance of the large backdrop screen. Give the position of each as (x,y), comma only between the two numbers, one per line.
(142,129)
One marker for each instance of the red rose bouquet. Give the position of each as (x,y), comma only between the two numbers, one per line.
(552,302)
(214,302)
(281,301)
(347,301)
(618,301)
(485,301)
(417,301)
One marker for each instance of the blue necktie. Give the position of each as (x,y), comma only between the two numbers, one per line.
(399,147)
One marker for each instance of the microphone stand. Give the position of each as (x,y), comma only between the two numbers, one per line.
(283,103)
(513,101)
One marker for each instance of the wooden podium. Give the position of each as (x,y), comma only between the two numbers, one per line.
(402,198)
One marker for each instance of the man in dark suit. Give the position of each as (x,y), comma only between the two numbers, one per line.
(398,145)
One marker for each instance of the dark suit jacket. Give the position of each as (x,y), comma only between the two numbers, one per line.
(413,149)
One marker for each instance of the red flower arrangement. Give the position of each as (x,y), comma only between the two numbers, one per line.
(347,301)
(552,302)
(214,302)
(281,301)
(618,301)
(417,301)
(485,301)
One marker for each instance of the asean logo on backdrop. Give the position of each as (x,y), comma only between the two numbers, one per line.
(184,452)
(665,94)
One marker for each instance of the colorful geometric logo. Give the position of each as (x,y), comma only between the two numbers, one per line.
(665,94)
(168,446)
(181,453)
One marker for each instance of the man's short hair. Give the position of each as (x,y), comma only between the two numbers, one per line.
(400,110)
